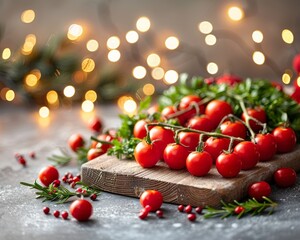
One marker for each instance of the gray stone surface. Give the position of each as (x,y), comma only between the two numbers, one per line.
(115,217)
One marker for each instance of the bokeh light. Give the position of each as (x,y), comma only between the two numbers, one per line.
(171,77)
(286,78)
(153,60)
(88,65)
(130,106)
(44,112)
(113,42)
(114,55)
(28,16)
(157,73)
(52,97)
(258,57)
(212,68)
(235,13)
(10,95)
(6,53)
(87,106)
(148,89)
(132,36)
(210,40)
(287,36)
(31,80)
(205,27)
(139,72)
(69,91)
(257,36)
(91,95)
(92,45)
(143,24)
(172,43)
(75,31)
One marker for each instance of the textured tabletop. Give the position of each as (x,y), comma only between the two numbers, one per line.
(115,217)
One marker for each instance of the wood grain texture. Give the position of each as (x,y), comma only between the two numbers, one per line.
(126,177)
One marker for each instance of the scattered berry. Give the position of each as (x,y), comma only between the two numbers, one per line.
(46,210)
(192,217)
(180,208)
(143,214)
(56,213)
(64,179)
(93,196)
(32,154)
(148,208)
(79,190)
(64,215)
(199,210)
(188,209)
(56,183)
(22,160)
(285,177)
(159,213)
(76,179)
(238,210)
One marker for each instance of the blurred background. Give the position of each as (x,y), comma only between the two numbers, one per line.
(59,53)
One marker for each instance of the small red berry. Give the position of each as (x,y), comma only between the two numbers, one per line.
(73,184)
(64,215)
(199,210)
(143,214)
(56,183)
(22,160)
(238,210)
(46,210)
(148,208)
(188,209)
(159,213)
(93,196)
(32,154)
(76,179)
(180,208)
(56,213)
(64,179)
(192,217)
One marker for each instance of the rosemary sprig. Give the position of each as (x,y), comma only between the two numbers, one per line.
(60,160)
(251,206)
(59,194)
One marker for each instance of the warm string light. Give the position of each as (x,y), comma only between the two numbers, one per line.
(87,106)
(69,91)
(171,77)
(88,65)
(113,42)
(139,72)
(153,60)
(92,45)
(148,89)
(132,36)
(257,36)
(44,112)
(75,32)
(258,58)
(127,105)
(91,95)
(172,43)
(212,68)
(143,24)
(114,55)
(235,13)
(6,53)
(28,16)
(287,36)
(157,73)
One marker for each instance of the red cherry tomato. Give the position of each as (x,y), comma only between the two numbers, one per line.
(81,209)
(93,153)
(248,153)
(168,111)
(285,177)
(161,137)
(95,124)
(285,138)
(215,146)
(153,109)
(187,101)
(190,140)
(75,141)
(139,130)
(48,174)
(103,146)
(259,190)
(202,123)
(228,165)
(151,198)
(266,145)
(199,163)
(216,110)
(235,129)
(146,154)
(175,156)
(296,63)
(257,113)
(228,79)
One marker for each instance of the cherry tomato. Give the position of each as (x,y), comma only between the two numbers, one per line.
(151,198)
(75,141)
(190,140)
(161,137)
(202,123)
(93,153)
(259,190)
(95,124)
(168,111)
(48,174)
(139,130)
(228,79)
(153,109)
(235,129)
(146,154)
(103,146)
(81,209)
(285,138)
(248,153)
(187,101)
(175,156)
(215,146)
(216,110)
(228,165)
(257,113)
(285,177)
(199,163)
(266,145)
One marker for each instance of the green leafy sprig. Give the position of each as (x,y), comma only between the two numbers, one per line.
(58,194)
(65,158)
(251,206)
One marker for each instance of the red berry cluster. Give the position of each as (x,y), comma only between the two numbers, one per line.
(21,158)
(56,213)
(189,210)
(71,179)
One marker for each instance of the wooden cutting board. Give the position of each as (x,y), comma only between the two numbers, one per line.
(126,177)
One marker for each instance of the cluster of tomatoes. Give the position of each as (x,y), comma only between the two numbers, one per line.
(224,143)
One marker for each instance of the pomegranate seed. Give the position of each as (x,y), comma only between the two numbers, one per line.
(188,209)
(159,213)
(69,175)
(46,210)
(22,160)
(199,210)
(79,190)
(180,208)
(64,215)
(64,179)
(191,217)
(238,210)
(93,196)
(56,213)
(83,192)
(148,208)
(76,179)
(73,184)
(56,183)
(78,176)
(143,214)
